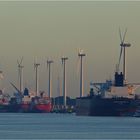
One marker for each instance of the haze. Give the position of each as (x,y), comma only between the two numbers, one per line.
(41,30)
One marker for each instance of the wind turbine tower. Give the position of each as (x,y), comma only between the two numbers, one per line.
(49,62)
(36,65)
(81,55)
(20,72)
(64,80)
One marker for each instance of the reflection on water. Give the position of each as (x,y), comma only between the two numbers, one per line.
(67,126)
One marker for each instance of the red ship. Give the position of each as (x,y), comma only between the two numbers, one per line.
(30,103)
(4,102)
(40,104)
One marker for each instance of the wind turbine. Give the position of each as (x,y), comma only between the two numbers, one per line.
(123,46)
(49,62)
(36,65)
(81,54)
(20,73)
(64,79)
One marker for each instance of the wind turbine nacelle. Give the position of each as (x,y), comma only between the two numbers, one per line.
(125,44)
(128,45)
(81,54)
(49,61)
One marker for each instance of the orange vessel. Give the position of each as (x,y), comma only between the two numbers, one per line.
(40,103)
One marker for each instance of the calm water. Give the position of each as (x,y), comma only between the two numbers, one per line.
(67,126)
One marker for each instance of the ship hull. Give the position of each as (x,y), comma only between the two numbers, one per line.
(97,106)
(42,108)
(36,108)
(9,108)
(25,108)
(4,108)
(14,108)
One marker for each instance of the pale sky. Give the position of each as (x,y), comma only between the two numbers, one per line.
(54,29)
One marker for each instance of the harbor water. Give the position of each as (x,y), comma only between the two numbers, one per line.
(67,126)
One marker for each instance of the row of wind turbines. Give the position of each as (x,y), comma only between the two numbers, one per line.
(81,54)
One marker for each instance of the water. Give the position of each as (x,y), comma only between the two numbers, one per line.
(67,126)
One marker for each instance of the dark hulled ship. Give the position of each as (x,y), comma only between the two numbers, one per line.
(108,99)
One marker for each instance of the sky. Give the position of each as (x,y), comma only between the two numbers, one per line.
(51,29)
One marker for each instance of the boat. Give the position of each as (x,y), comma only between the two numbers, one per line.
(4,102)
(111,98)
(35,104)
(41,104)
(7,103)
(29,103)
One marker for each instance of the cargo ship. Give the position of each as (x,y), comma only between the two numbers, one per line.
(28,103)
(112,98)
(8,104)
(35,104)
(108,99)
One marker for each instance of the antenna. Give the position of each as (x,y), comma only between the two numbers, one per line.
(20,74)
(123,46)
(81,54)
(64,80)
(49,62)
(36,65)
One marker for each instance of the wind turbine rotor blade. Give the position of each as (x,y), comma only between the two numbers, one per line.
(35,64)
(18,63)
(120,36)
(62,61)
(124,35)
(78,65)
(47,64)
(21,60)
(79,50)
